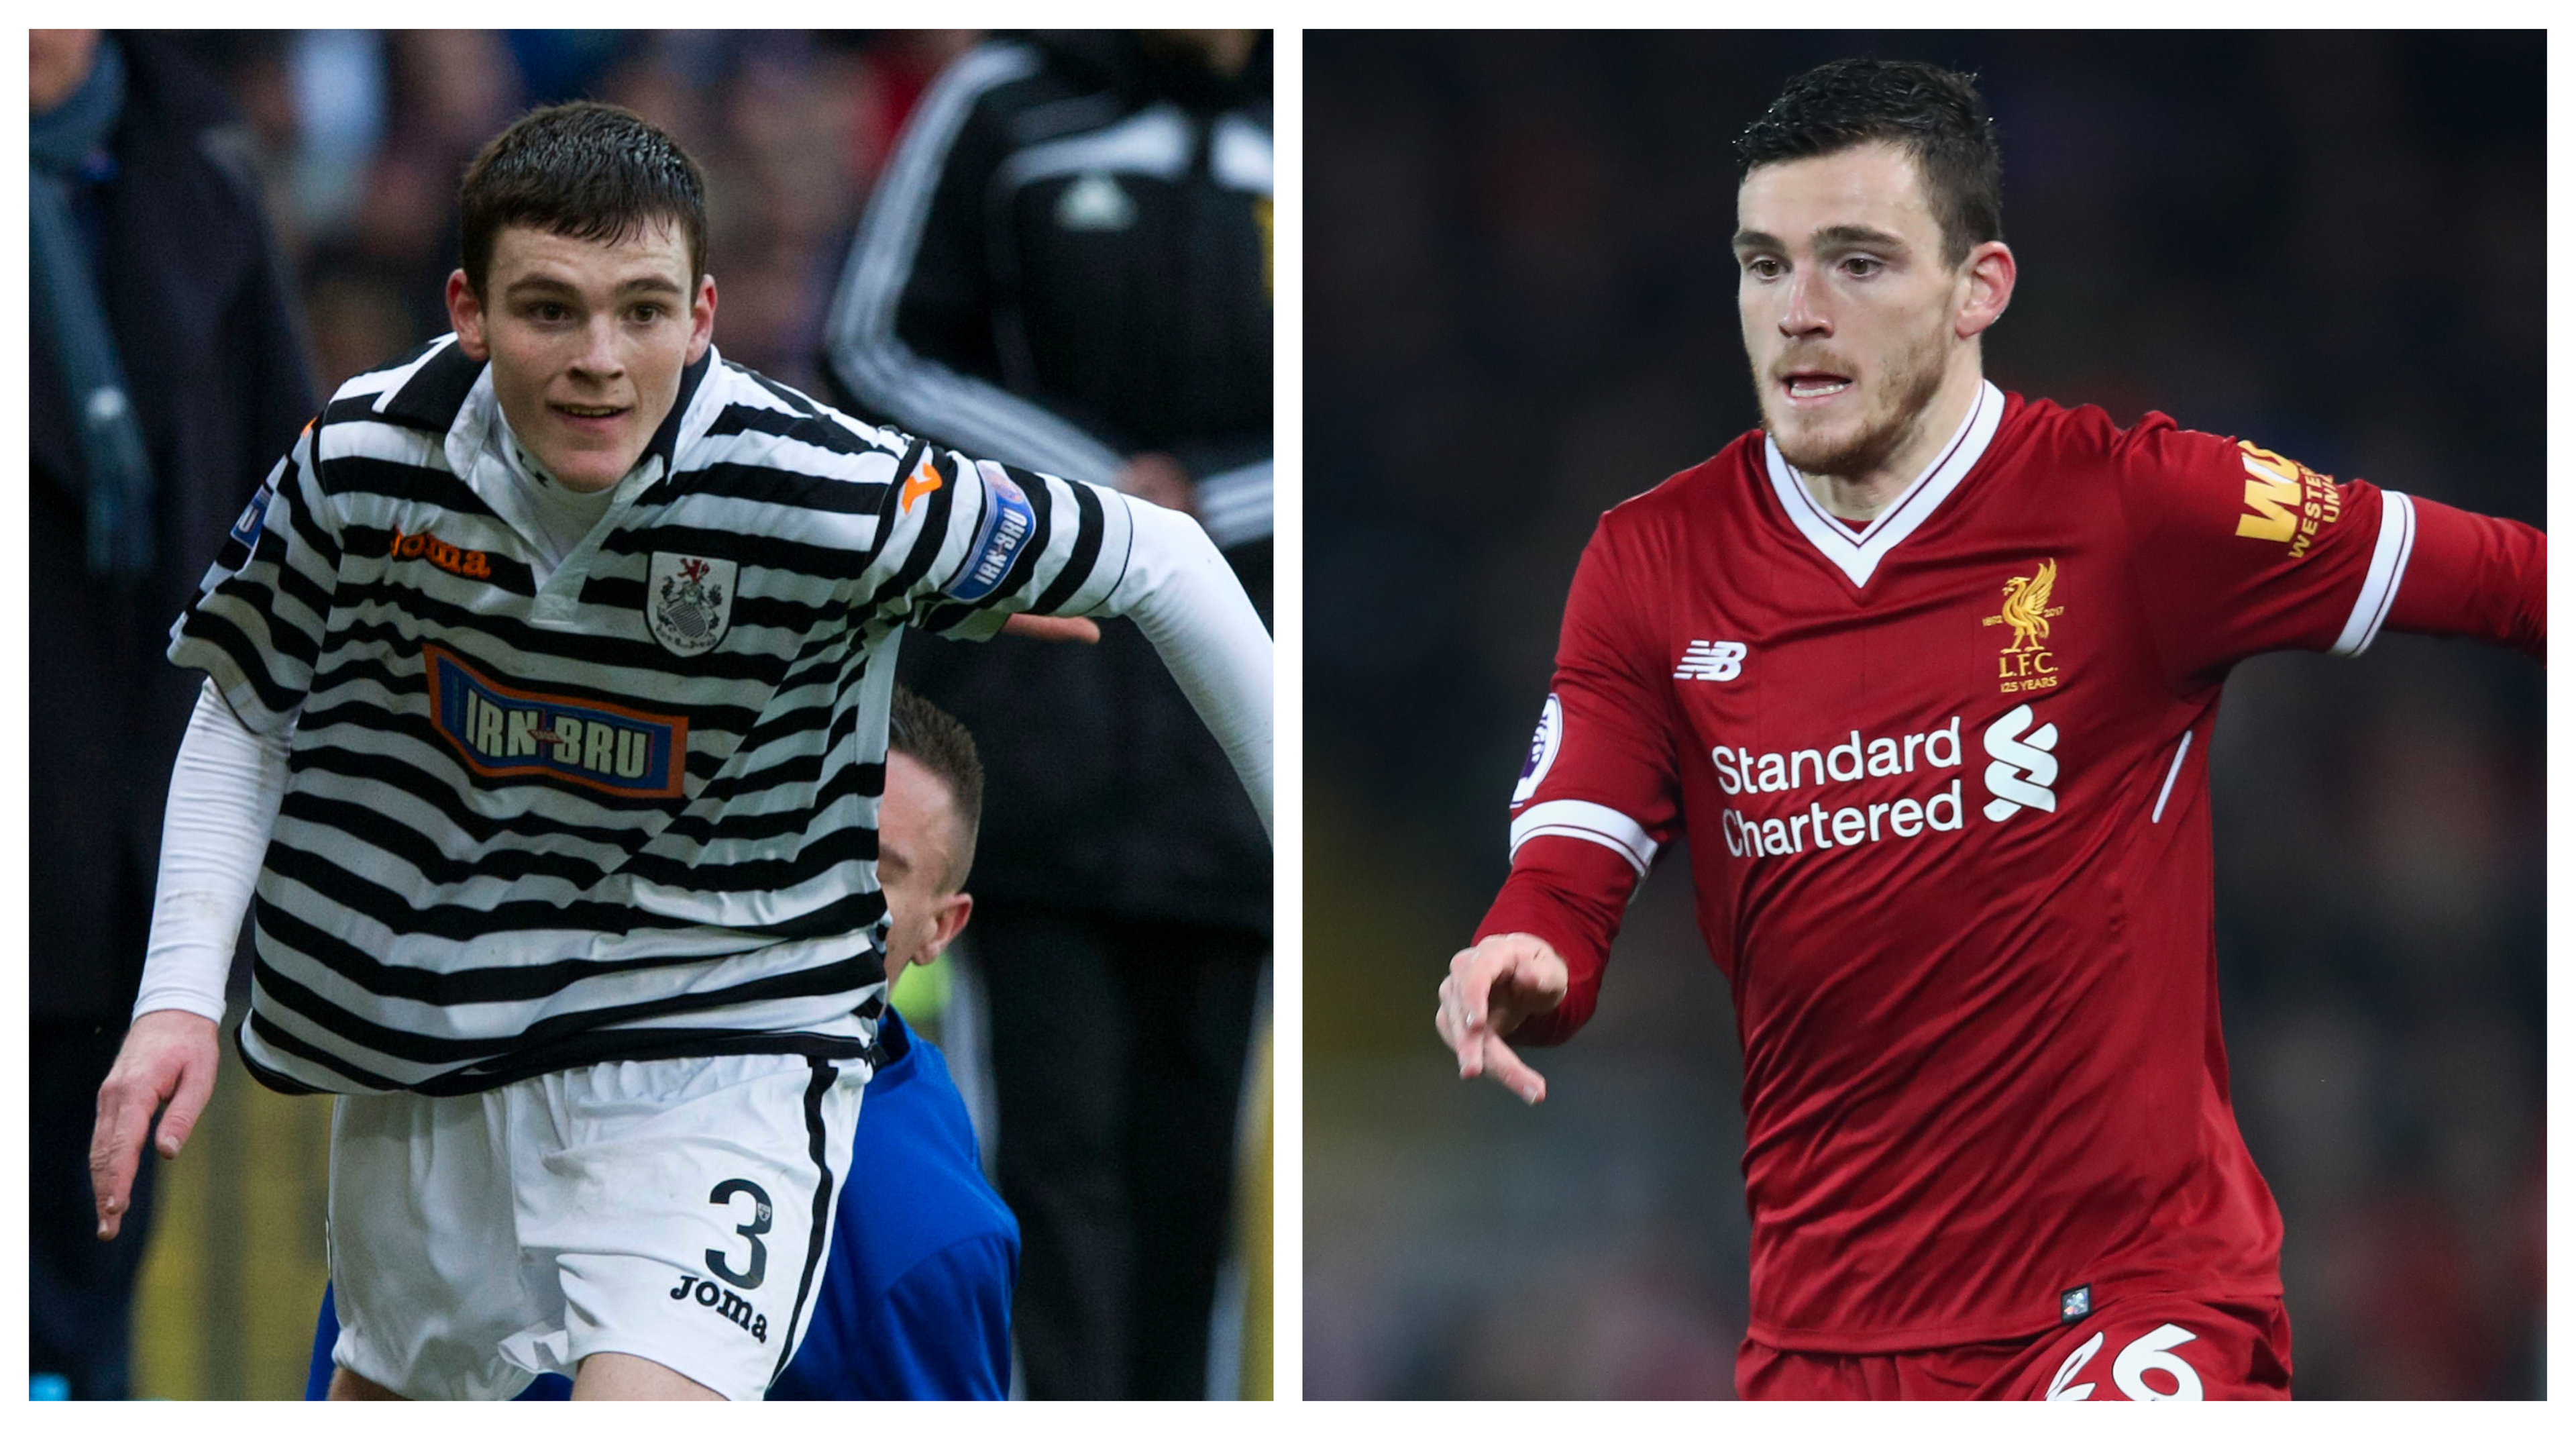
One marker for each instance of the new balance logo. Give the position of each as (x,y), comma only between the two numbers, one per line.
(2023,768)
(1711,660)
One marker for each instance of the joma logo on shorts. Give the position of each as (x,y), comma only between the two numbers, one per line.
(724,1303)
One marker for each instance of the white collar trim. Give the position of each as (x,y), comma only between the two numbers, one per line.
(1859,552)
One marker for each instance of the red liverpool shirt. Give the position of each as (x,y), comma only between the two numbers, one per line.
(1945,783)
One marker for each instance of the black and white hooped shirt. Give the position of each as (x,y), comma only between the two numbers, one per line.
(542,813)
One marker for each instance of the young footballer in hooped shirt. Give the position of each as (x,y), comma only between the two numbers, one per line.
(1927,672)
(544,736)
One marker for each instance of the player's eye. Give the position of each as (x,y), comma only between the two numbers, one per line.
(1862,265)
(548,312)
(1763,266)
(649,312)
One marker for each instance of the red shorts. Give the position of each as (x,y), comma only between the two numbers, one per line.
(2150,1348)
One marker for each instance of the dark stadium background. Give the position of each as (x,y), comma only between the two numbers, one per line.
(1521,311)
(362,137)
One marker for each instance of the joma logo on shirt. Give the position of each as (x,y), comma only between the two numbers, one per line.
(2289,503)
(421,546)
(502,732)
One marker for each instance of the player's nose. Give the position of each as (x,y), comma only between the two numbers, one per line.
(1803,311)
(599,355)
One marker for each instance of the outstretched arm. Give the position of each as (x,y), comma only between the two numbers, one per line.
(1596,801)
(1184,597)
(969,544)
(224,792)
(2248,551)
(2477,576)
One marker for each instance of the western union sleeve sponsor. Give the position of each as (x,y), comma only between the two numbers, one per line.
(2288,502)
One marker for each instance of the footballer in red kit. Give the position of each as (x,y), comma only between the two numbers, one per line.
(1927,671)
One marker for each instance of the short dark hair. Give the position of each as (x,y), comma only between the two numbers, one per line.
(1936,115)
(582,170)
(923,731)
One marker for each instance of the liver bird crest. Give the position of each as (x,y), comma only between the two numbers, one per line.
(2026,607)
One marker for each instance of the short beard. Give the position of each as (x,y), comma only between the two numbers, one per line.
(1919,369)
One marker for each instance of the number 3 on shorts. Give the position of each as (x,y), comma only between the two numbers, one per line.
(2152,1351)
(752,1230)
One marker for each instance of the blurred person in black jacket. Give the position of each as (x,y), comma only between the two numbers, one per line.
(1067,261)
(165,368)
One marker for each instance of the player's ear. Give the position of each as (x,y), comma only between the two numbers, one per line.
(1987,280)
(947,920)
(702,317)
(465,313)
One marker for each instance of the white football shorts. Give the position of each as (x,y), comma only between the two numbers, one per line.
(673,1210)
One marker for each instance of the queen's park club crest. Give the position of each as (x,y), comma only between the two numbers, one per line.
(688,601)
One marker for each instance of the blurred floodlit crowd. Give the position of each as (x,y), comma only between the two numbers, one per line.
(363,135)
(1521,311)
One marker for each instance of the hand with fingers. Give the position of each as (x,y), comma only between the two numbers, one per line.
(169,1058)
(1063,630)
(1492,989)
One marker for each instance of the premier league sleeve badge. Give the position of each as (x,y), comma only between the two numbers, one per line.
(688,601)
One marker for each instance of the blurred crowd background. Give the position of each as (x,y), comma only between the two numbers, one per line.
(362,134)
(1521,311)
(361,137)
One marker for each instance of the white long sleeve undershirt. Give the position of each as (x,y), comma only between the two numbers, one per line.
(1189,605)
(224,791)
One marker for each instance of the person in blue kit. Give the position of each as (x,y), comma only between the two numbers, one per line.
(916,1298)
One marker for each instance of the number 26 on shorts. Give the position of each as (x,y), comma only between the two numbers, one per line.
(2152,1351)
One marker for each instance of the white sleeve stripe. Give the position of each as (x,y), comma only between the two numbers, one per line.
(1582,819)
(1589,836)
(2387,570)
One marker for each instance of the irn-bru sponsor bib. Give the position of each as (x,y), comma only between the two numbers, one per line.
(501,731)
